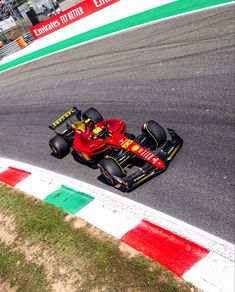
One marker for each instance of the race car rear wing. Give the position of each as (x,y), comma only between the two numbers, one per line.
(73,111)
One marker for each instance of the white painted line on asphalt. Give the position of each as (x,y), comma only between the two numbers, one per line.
(109,220)
(104,37)
(39,186)
(213,273)
(122,204)
(112,13)
(3,169)
(117,215)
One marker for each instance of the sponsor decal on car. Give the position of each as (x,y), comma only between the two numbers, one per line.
(127,143)
(63,118)
(135,148)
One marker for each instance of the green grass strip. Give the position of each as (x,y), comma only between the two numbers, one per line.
(94,258)
(68,199)
(15,269)
(168,10)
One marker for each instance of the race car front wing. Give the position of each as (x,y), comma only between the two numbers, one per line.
(148,171)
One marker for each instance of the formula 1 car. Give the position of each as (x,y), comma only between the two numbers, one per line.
(107,145)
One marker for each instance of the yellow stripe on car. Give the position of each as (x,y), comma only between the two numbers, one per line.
(143,179)
(127,143)
(174,152)
(62,118)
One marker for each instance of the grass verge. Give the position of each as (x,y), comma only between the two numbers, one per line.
(15,269)
(64,253)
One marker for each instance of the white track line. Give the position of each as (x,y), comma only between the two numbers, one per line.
(112,221)
(213,273)
(125,205)
(38,185)
(115,33)
(117,215)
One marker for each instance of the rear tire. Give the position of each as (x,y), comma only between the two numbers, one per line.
(59,147)
(155,133)
(108,168)
(93,114)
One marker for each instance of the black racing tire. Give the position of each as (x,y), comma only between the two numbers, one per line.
(92,114)
(108,168)
(59,147)
(155,133)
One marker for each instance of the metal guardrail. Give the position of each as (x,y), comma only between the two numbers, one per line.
(16,45)
(9,49)
(28,37)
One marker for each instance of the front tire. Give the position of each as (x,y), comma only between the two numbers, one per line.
(110,167)
(59,147)
(155,133)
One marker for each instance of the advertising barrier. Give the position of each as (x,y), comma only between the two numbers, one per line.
(69,16)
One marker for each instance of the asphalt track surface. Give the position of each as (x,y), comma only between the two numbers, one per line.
(179,72)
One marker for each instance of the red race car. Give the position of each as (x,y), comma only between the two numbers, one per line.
(107,145)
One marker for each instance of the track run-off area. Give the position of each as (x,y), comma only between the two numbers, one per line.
(179,72)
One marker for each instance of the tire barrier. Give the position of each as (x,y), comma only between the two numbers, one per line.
(21,42)
(16,45)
